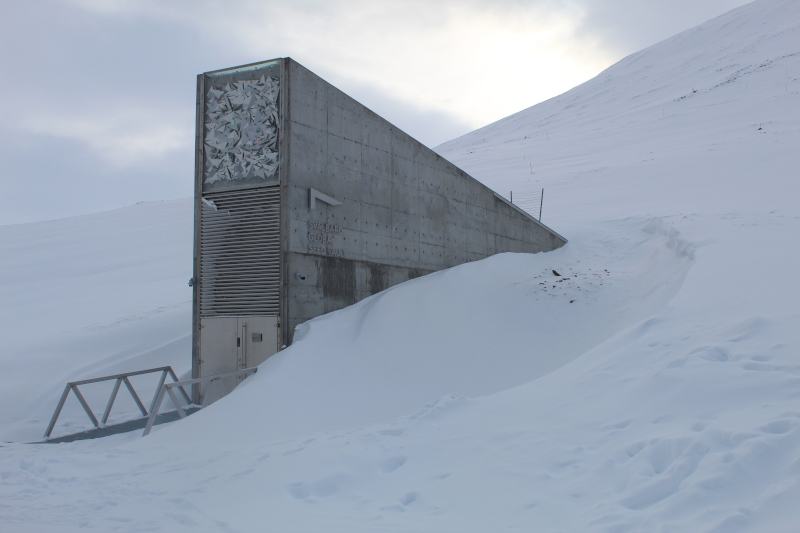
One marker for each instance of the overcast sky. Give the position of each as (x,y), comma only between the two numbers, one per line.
(97,98)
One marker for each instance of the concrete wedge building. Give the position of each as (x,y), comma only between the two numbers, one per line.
(306,202)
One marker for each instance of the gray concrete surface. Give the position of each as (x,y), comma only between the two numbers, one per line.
(405,210)
(362,205)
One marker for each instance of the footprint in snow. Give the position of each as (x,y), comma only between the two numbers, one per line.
(409,498)
(393,463)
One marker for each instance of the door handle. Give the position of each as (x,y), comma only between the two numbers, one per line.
(243,362)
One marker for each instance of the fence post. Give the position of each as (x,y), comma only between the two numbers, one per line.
(135,396)
(541,202)
(158,388)
(111,401)
(85,405)
(154,412)
(57,412)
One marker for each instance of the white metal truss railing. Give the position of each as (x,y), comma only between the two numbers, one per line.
(73,386)
(167,389)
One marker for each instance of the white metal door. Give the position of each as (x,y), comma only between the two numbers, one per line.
(218,354)
(231,343)
(260,338)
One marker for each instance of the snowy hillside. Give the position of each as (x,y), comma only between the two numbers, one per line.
(653,386)
(87,296)
(701,123)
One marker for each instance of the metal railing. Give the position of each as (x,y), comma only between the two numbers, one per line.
(167,389)
(120,379)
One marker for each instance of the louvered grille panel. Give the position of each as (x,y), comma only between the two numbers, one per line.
(240,253)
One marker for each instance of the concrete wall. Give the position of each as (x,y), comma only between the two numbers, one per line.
(405,211)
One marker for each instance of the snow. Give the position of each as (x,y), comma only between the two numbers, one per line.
(653,386)
(87,296)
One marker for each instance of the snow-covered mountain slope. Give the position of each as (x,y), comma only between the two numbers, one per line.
(653,386)
(704,122)
(87,296)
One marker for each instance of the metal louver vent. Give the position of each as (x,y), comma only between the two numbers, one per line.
(240,253)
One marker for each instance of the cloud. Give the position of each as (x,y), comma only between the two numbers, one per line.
(121,138)
(473,61)
(98,104)
(625,26)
